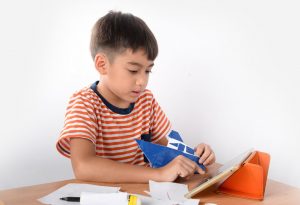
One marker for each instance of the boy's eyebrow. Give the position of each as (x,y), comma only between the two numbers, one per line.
(140,65)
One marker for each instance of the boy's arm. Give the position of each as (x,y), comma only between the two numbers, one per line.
(87,166)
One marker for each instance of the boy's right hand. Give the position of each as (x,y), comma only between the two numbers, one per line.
(179,166)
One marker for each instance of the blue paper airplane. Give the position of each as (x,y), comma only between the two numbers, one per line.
(159,155)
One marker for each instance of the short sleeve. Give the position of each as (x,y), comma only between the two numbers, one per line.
(160,125)
(80,122)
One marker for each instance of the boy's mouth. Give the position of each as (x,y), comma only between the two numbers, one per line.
(136,92)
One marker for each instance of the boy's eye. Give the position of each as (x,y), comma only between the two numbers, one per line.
(133,71)
(136,71)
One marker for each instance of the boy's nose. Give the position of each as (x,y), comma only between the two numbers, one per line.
(141,81)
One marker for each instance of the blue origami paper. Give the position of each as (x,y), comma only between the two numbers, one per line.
(159,155)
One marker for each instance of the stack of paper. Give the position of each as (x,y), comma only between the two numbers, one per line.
(75,190)
(168,193)
(162,193)
(89,198)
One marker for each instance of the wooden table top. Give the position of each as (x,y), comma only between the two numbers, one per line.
(276,193)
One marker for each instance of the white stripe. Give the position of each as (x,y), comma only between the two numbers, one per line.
(71,121)
(125,122)
(119,150)
(81,108)
(141,159)
(124,142)
(118,145)
(132,154)
(78,133)
(76,115)
(122,127)
(117,116)
(161,129)
(78,130)
(77,109)
(158,120)
(138,157)
(126,136)
(83,100)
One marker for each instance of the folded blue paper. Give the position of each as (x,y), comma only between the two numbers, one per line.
(159,155)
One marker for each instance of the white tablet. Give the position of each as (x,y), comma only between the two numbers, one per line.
(221,174)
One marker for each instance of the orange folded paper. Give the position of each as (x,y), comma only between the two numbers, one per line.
(249,181)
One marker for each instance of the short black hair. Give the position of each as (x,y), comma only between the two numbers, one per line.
(117,31)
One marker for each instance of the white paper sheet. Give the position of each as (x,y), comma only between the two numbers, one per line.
(168,191)
(172,192)
(88,198)
(74,189)
(152,201)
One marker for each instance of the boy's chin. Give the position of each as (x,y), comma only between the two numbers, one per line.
(132,99)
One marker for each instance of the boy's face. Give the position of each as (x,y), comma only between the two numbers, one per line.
(125,78)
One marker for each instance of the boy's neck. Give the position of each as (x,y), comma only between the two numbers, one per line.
(111,97)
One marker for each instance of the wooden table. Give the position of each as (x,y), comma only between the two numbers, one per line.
(276,193)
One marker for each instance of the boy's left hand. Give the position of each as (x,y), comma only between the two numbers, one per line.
(206,154)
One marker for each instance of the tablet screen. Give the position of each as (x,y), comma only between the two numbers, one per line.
(221,174)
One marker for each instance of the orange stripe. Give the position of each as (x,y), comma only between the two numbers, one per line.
(79,125)
(118,143)
(124,136)
(74,112)
(160,125)
(108,118)
(122,126)
(159,119)
(67,137)
(122,131)
(116,148)
(65,144)
(77,131)
(129,119)
(81,105)
(123,117)
(119,153)
(121,158)
(81,119)
(77,103)
(140,162)
(73,122)
(163,132)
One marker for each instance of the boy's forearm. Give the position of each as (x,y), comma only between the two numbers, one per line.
(106,170)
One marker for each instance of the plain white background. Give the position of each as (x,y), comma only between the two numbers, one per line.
(227,74)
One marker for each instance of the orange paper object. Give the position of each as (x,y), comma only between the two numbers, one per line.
(249,181)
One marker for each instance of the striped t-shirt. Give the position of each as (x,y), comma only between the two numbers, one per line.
(111,129)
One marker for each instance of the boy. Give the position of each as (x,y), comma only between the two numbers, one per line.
(103,120)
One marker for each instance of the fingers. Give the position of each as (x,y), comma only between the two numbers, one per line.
(200,149)
(200,170)
(206,154)
(210,159)
(180,166)
(187,167)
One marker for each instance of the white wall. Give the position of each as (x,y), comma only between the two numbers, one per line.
(227,74)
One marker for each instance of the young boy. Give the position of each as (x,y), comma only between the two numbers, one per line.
(103,120)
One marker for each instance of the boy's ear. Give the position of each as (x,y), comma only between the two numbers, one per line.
(101,63)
